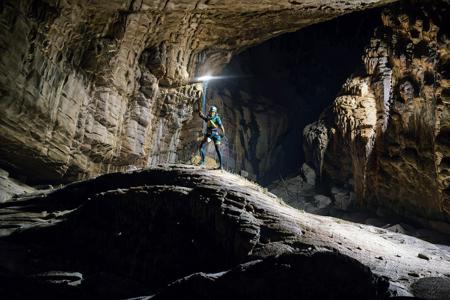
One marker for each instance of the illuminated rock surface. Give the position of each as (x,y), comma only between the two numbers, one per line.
(387,132)
(89,87)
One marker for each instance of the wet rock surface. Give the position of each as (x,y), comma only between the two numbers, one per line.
(173,230)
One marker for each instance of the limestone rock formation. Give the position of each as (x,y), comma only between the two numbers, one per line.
(10,188)
(386,134)
(180,230)
(89,87)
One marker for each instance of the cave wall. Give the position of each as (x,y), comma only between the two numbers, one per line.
(84,85)
(78,98)
(387,133)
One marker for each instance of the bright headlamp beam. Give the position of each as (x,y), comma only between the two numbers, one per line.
(205,78)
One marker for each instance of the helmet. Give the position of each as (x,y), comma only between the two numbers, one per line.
(213,109)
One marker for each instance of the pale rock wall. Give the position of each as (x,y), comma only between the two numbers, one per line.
(388,131)
(82,82)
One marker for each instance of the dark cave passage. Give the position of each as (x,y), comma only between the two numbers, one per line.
(270,92)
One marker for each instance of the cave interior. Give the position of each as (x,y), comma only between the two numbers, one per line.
(335,179)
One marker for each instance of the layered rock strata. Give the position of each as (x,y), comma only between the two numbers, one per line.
(10,187)
(386,134)
(141,233)
(84,85)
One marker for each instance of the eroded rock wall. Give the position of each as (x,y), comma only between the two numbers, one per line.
(67,110)
(386,134)
(84,84)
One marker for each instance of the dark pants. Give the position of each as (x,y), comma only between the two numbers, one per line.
(214,136)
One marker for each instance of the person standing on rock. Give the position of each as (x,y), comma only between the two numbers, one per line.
(213,124)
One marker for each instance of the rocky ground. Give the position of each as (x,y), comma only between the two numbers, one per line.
(182,231)
(303,192)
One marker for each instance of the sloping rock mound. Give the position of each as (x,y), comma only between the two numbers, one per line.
(129,234)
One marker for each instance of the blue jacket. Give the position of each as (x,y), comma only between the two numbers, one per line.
(214,122)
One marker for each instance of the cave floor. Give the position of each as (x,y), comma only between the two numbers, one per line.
(260,223)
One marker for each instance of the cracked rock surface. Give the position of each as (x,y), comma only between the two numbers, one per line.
(182,230)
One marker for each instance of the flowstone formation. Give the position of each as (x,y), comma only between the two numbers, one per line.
(89,87)
(180,231)
(386,134)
